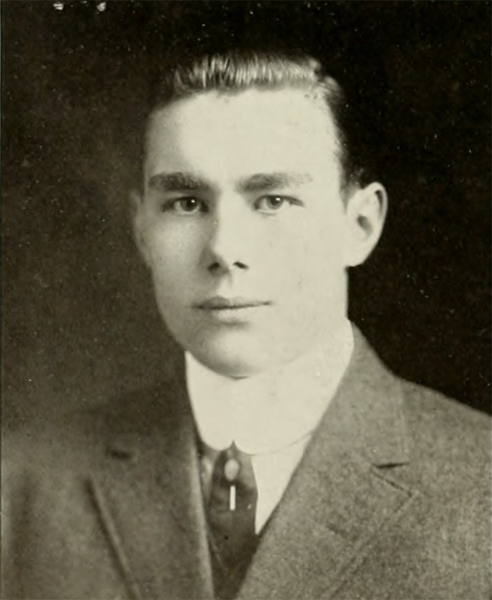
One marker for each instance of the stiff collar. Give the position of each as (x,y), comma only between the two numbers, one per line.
(273,410)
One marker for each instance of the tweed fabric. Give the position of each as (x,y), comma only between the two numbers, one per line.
(391,501)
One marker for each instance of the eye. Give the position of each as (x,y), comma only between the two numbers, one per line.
(273,203)
(185,206)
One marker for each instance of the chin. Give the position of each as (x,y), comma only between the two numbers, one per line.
(230,357)
(237,367)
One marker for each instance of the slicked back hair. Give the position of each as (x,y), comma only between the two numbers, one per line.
(239,71)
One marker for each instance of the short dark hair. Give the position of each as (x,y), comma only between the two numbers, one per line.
(237,71)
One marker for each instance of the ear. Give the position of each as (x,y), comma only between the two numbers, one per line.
(366,212)
(136,203)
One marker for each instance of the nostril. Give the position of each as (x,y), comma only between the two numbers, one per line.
(221,266)
(214,267)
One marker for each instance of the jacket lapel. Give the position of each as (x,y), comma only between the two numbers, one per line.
(341,495)
(149,499)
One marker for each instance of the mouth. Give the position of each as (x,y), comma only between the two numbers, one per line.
(220,303)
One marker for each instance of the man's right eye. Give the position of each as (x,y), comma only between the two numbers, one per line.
(184,206)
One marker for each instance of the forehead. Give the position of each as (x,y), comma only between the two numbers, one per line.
(235,134)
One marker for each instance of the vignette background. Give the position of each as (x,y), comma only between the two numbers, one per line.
(79,321)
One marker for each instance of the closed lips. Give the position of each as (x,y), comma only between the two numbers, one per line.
(220,303)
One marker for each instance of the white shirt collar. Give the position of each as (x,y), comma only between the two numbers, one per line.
(272,410)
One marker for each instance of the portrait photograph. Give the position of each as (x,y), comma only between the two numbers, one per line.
(246,300)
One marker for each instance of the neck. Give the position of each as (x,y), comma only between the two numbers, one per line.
(271,407)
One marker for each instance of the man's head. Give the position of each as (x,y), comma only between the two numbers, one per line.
(252,208)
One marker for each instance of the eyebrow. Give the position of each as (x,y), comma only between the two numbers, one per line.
(174,182)
(179,181)
(270,181)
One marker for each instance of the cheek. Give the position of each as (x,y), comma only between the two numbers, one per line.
(173,257)
(175,245)
(316,274)
(308,254)
(317,285)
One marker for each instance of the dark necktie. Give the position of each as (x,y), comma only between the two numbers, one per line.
(231,517)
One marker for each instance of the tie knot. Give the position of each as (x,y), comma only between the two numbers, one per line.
(231,518)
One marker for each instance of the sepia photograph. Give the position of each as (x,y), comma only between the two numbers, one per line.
(246,300)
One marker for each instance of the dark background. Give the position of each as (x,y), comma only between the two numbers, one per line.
(79,322)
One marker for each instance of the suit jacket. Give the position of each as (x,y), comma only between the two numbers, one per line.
(390,501)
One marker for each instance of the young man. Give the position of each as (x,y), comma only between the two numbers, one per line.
(289,463)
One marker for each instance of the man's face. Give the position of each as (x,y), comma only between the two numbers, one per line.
(243,226)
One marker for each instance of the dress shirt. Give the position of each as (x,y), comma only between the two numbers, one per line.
(270,416)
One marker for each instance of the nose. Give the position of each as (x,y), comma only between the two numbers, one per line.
(226,250)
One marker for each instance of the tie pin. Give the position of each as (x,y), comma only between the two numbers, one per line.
(231,469)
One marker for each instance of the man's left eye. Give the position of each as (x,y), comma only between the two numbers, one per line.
(272,203)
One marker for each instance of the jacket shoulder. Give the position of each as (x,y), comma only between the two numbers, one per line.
(449,444)
(46,455)
(443,419)
(76,441)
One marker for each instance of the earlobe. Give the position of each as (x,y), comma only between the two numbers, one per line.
(366,213)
